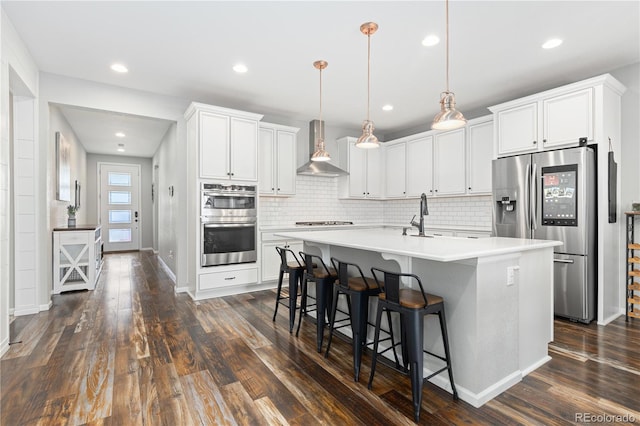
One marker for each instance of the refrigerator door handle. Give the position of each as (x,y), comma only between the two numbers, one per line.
(534,199)
(527,210)
(563,260)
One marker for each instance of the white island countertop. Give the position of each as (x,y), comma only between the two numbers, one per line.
(441,249)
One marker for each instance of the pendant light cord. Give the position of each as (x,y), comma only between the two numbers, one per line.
(321,135)
(368,72)
(447,40)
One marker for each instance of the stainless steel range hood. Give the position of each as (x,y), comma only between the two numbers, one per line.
(318,168)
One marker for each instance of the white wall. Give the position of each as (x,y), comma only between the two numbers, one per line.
(166,204)
(146,208)
(58,209)
(18,74)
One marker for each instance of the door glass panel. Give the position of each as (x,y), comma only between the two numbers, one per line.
(119,216)
(119,179)
(119,197)
(120,235)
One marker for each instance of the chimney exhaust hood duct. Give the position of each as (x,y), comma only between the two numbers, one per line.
(318,168)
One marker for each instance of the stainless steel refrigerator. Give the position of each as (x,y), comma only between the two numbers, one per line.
(552,196)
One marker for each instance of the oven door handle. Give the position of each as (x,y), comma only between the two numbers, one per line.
(228,225)
(235,195)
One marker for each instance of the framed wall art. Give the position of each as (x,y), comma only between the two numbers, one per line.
(63,168)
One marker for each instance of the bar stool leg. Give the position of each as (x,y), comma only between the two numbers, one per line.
(321,304)
(376,339)
(359,315)
(280,277)
(294,277)
(447,354)
(303,303)
(414,328)
(332,319)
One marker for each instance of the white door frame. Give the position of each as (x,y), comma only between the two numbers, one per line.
(99,197)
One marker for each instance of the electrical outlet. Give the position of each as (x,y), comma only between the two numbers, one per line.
(511,274)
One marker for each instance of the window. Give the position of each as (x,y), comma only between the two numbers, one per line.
(119,216)
(119,197)
(119,179)
(120,235)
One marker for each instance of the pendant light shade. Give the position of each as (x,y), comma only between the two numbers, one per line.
(448,118)
(320,153)
(368,139)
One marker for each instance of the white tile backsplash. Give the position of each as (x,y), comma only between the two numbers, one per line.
(317,199)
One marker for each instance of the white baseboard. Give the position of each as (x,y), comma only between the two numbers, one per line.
(535,365)
(611,317)
(156,252)
(26,311)
(46,306)
(4,346)
(11,311)
(168,271)
(182,290)
(146,249)
(228,291)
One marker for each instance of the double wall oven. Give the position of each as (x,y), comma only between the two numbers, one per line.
(228,224)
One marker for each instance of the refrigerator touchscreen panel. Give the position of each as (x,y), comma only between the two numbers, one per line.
(560,195)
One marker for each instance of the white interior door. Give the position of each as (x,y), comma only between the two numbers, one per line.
(120,206)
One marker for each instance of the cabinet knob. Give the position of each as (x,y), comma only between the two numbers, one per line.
(436,190)
(231,174)
(544,141)
(364,193)
(535,142)
(278,189)
(469,188)
(404,192)
(272,189)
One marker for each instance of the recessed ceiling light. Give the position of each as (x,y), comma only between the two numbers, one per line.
(387,107)
(120,135)
(240,68)
(431,40)
(120,147)
(551,43)
(119,68)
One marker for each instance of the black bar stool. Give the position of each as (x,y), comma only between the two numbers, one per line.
(412,305)
(295,270)
(358,289)
(324,278)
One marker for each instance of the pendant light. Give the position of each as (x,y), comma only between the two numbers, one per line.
(368,139)
(448,118)
(320,154)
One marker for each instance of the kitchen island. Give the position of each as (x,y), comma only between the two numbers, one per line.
(498,295)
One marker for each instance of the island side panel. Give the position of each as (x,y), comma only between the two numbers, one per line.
(482,320)
(535,282)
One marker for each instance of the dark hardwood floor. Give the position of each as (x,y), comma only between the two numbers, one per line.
(131,352)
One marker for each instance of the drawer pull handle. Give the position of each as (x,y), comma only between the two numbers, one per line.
(230,278)
(563,260)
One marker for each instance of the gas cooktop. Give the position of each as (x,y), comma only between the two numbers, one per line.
(324,223)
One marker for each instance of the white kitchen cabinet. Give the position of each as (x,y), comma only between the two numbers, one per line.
(419,166)
(449,163)
(517,129)
(227,142)
(365,170)
(567,118)
(553,119)
(409,167)
(395,170)
(277,152)
(269,258)
(77,258)
(479,156)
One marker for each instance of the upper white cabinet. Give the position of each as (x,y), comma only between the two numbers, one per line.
(553,119)
(479,156)
(449,163)
(277,152)
(227,142)
(395,170)
(365,170)
(409,167)
(419,166)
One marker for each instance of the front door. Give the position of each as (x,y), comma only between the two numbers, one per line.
(119,206)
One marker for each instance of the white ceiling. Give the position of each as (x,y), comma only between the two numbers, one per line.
(186,49)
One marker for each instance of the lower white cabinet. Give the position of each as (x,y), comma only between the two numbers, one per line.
(228,278)
(269,258)
(77,258)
